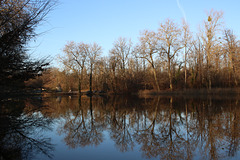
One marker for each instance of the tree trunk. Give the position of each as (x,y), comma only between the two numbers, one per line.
(208,70)
(185,68)
(233,70)
(155,78)
(80,79)
(90,78)
(79,86)
(170,74)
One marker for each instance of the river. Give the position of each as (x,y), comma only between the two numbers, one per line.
(117,128)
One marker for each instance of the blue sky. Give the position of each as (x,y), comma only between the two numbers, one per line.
(103,21)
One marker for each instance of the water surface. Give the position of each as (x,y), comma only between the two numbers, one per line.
(119,128)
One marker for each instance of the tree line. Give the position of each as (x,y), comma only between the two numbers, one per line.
(170,58)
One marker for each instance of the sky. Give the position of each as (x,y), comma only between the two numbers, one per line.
(104,21)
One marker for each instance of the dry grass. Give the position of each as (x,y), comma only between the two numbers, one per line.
(194,92)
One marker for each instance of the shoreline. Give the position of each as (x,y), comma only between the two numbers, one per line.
(202,91)
(226,92)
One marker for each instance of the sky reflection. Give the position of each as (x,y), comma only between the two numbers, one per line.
(130,128)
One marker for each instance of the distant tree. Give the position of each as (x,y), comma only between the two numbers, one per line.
(195,63)
(121,51)
(18,21)
(186,40)
(93,53)
(122,48)
(231,46)
(112,65)
(79,57)
(170,38)
(102,75)
(74,59)
(54,79)
(147,49)
(210,38)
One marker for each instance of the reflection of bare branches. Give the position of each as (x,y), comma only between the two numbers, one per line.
(166,127)
(120,134)
(121,123)
(80,127)
(22,133)
(165,142)
(152,125)
(42,144)
(234,135)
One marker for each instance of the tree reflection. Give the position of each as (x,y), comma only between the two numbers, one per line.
(147,137)
(233,133)
(163,127)
(80,126)
(21,132)
(120,127)
(163,140)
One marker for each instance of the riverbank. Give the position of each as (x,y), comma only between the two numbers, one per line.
(221,92)
(194,92)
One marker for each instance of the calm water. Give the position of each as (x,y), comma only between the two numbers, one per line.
(119,128)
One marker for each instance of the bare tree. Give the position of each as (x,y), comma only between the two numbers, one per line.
(122,48)
(170,36)
(195,61)
(75,58)
(212,26)
(186,43)
(232,50)
(93,52)
(147,49)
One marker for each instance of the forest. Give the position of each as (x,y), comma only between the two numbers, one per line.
(171,58)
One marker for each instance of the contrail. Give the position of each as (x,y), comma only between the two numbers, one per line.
(182,10)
